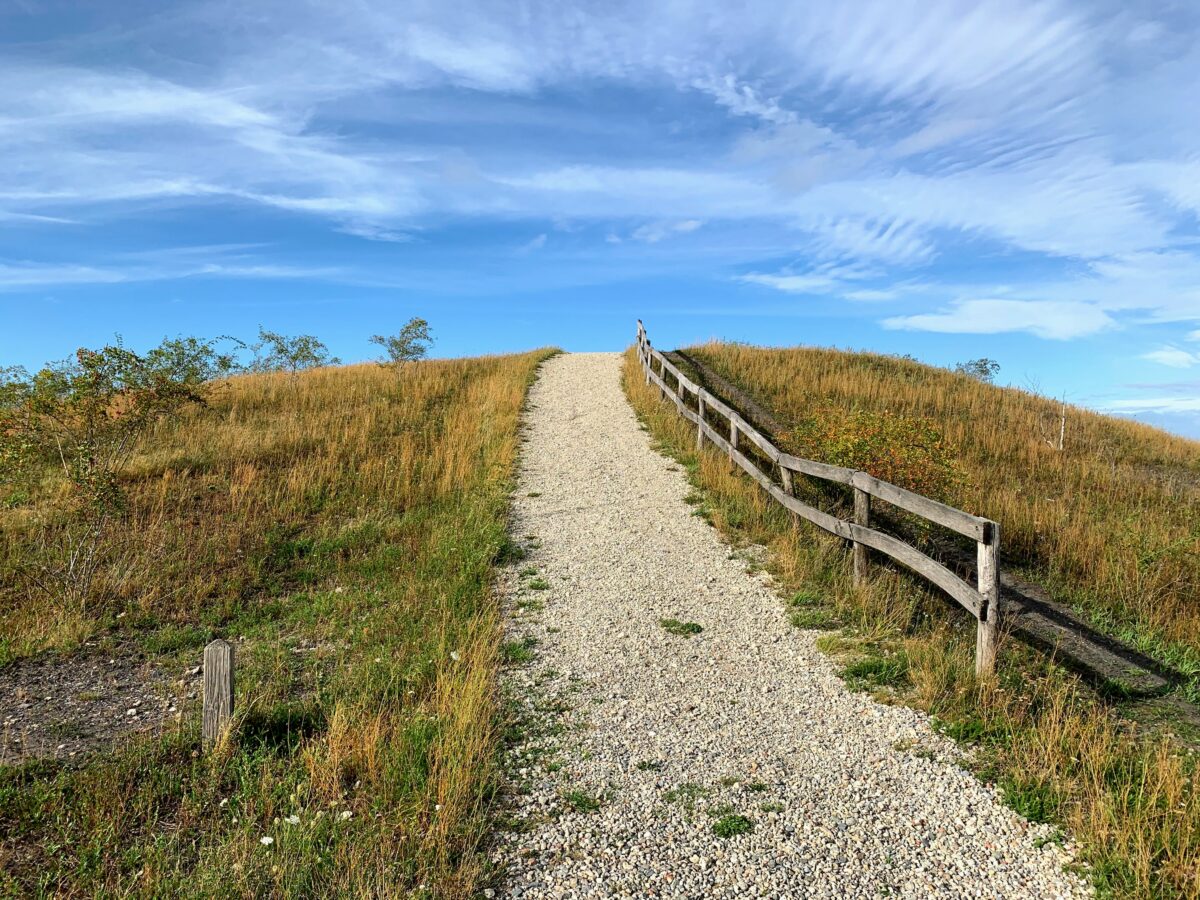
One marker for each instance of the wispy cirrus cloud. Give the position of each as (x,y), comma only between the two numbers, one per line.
(1056,320)
(1175,357)
(1023,163)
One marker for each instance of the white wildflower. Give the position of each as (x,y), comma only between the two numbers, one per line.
(266,840)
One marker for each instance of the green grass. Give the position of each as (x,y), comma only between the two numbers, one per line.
(518,652)
(682,629)
(731,825)
(582,801)
(376,545)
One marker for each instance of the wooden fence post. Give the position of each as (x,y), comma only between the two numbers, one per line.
(679,395)
(218,690)
(862,516)
(988,632)
(733,441)
(700,424)
(785,476)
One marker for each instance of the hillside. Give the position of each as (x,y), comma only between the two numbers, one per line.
(339,526)
(1110,523)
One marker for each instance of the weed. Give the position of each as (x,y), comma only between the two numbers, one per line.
(877,671)
(732,825)
(582,802)
(682,629)
(520,651)
(538,584)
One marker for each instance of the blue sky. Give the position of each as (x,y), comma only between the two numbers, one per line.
(946,179)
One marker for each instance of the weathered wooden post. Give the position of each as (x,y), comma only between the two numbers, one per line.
(218,690)
(733,441)
(988,632)
(862,516)
(679,395)
(700,424)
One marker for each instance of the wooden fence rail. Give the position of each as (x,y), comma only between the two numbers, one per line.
(982,599)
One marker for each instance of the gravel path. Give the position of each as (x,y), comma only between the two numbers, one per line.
(672,734)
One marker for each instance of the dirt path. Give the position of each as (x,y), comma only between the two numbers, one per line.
(642,744)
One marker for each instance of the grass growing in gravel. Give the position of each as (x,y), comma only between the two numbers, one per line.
(731,825)
(582,801)
(682,629)
(339,526)
(1055,747)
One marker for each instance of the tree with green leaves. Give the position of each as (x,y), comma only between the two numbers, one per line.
(275,352)
(982,369)
(84,416)
(411,343)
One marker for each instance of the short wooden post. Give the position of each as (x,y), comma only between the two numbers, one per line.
(700,424)
(218,690)
(862,516)
(785,476)
(988,632)
(733,440)
(679,396)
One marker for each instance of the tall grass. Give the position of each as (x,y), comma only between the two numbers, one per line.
(1111,521)
(340,527)
(1057,751)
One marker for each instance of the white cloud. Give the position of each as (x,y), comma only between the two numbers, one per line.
(792,284)
(167,265)
(1043,318)
(888,133)
(1193,335)
(1156,404)
(1173,357)
(653,232)
(535,243)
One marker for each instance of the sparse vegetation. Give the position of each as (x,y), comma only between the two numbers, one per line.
(682,629)
(582,801)
(341,526)
(731,825)
(1107,522)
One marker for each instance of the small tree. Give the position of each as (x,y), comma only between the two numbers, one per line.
(982,369)
(190,360)
(411,343)
(274,352)
(86,415)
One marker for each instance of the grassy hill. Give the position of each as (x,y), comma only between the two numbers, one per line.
(1109,523)
(339,527)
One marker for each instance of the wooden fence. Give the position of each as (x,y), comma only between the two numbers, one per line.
(982,600)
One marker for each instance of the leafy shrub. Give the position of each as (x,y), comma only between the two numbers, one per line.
(904,450)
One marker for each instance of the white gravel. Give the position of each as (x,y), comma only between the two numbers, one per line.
(848,797)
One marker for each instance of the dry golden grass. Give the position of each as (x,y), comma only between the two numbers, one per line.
(1111,522)
(341,527)
(1058,751)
